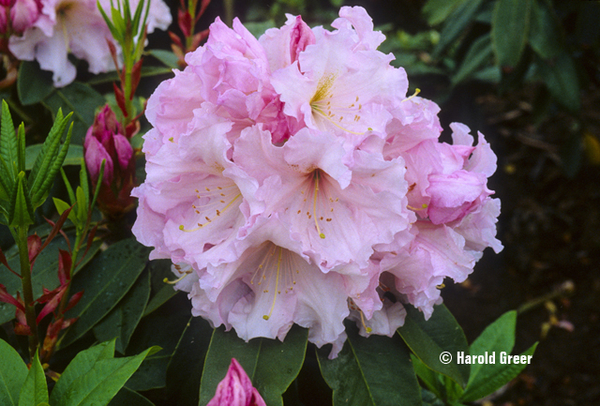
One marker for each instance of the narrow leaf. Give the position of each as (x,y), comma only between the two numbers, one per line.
(124,318)
(371,371)
(494,376)
(130,398)
(105,280)
(8,142)
(13,372)
(545,31)
(437,11)
(496,338)
(20,212)
(478,54)
(429,339)
(456,24)
(510,28)
(560,76)
(35,388)
(271,365)
(74,155)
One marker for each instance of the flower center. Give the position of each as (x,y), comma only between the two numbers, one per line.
(279,264)
(212,202)
(341,111)
(317,204)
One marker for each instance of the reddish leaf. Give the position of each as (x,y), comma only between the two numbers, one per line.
(175,40)
(73,301)
(56,227)
(64,266)
(22,329)
(5,263)
(113,53)
(120,98)
(34,247)
(136,74)
(51,305)
(203,6)
(69,322)
(184,19)
(10,299)
(51,337)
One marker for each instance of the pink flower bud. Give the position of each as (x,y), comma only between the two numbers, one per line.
(236,389)
(105,141)
(23,14)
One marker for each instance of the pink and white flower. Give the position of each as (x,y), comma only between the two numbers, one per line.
(292,181)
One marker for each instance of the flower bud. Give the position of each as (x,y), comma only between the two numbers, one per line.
(23,14)
(236,389)
(105,141)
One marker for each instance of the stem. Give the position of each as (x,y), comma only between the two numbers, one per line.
(228,12)
(27,290)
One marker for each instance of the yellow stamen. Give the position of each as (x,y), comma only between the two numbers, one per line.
(417,91)
(268,316)
(315,205)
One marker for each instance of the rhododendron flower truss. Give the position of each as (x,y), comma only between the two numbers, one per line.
(292,180)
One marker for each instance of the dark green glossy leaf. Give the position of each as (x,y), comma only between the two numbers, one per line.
(437,11)
(160,270)
(493,376)
(479,53)
(545,32)
(185,369)
(82,100)
(371,371)
(428,339)
(35,388)
(163,328)
(430,378)
(33,83)
(510,28)
(124,318)
(13,372)
(130,398)
(560,76)
(104,281)
(456,23)
(272,365)
(83,362)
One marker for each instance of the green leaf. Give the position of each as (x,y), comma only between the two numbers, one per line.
(8,146)
(123,319)
(479,53)
(83,362)
(130,398)
(61,206)
(20,212)
(428,339)
(74,155)
(455,25)
(545,31)
(185,369)
(80,99)
(102,382)
(159,270)
(33,83)
(172,319)
(430,378)
(437,11)
(271,365)
(493,376)
(510,28)
(560,76)
(40,178)
(105,280)
(13,372)
(371,371)
(497,337)
(168,58)
(35,388)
